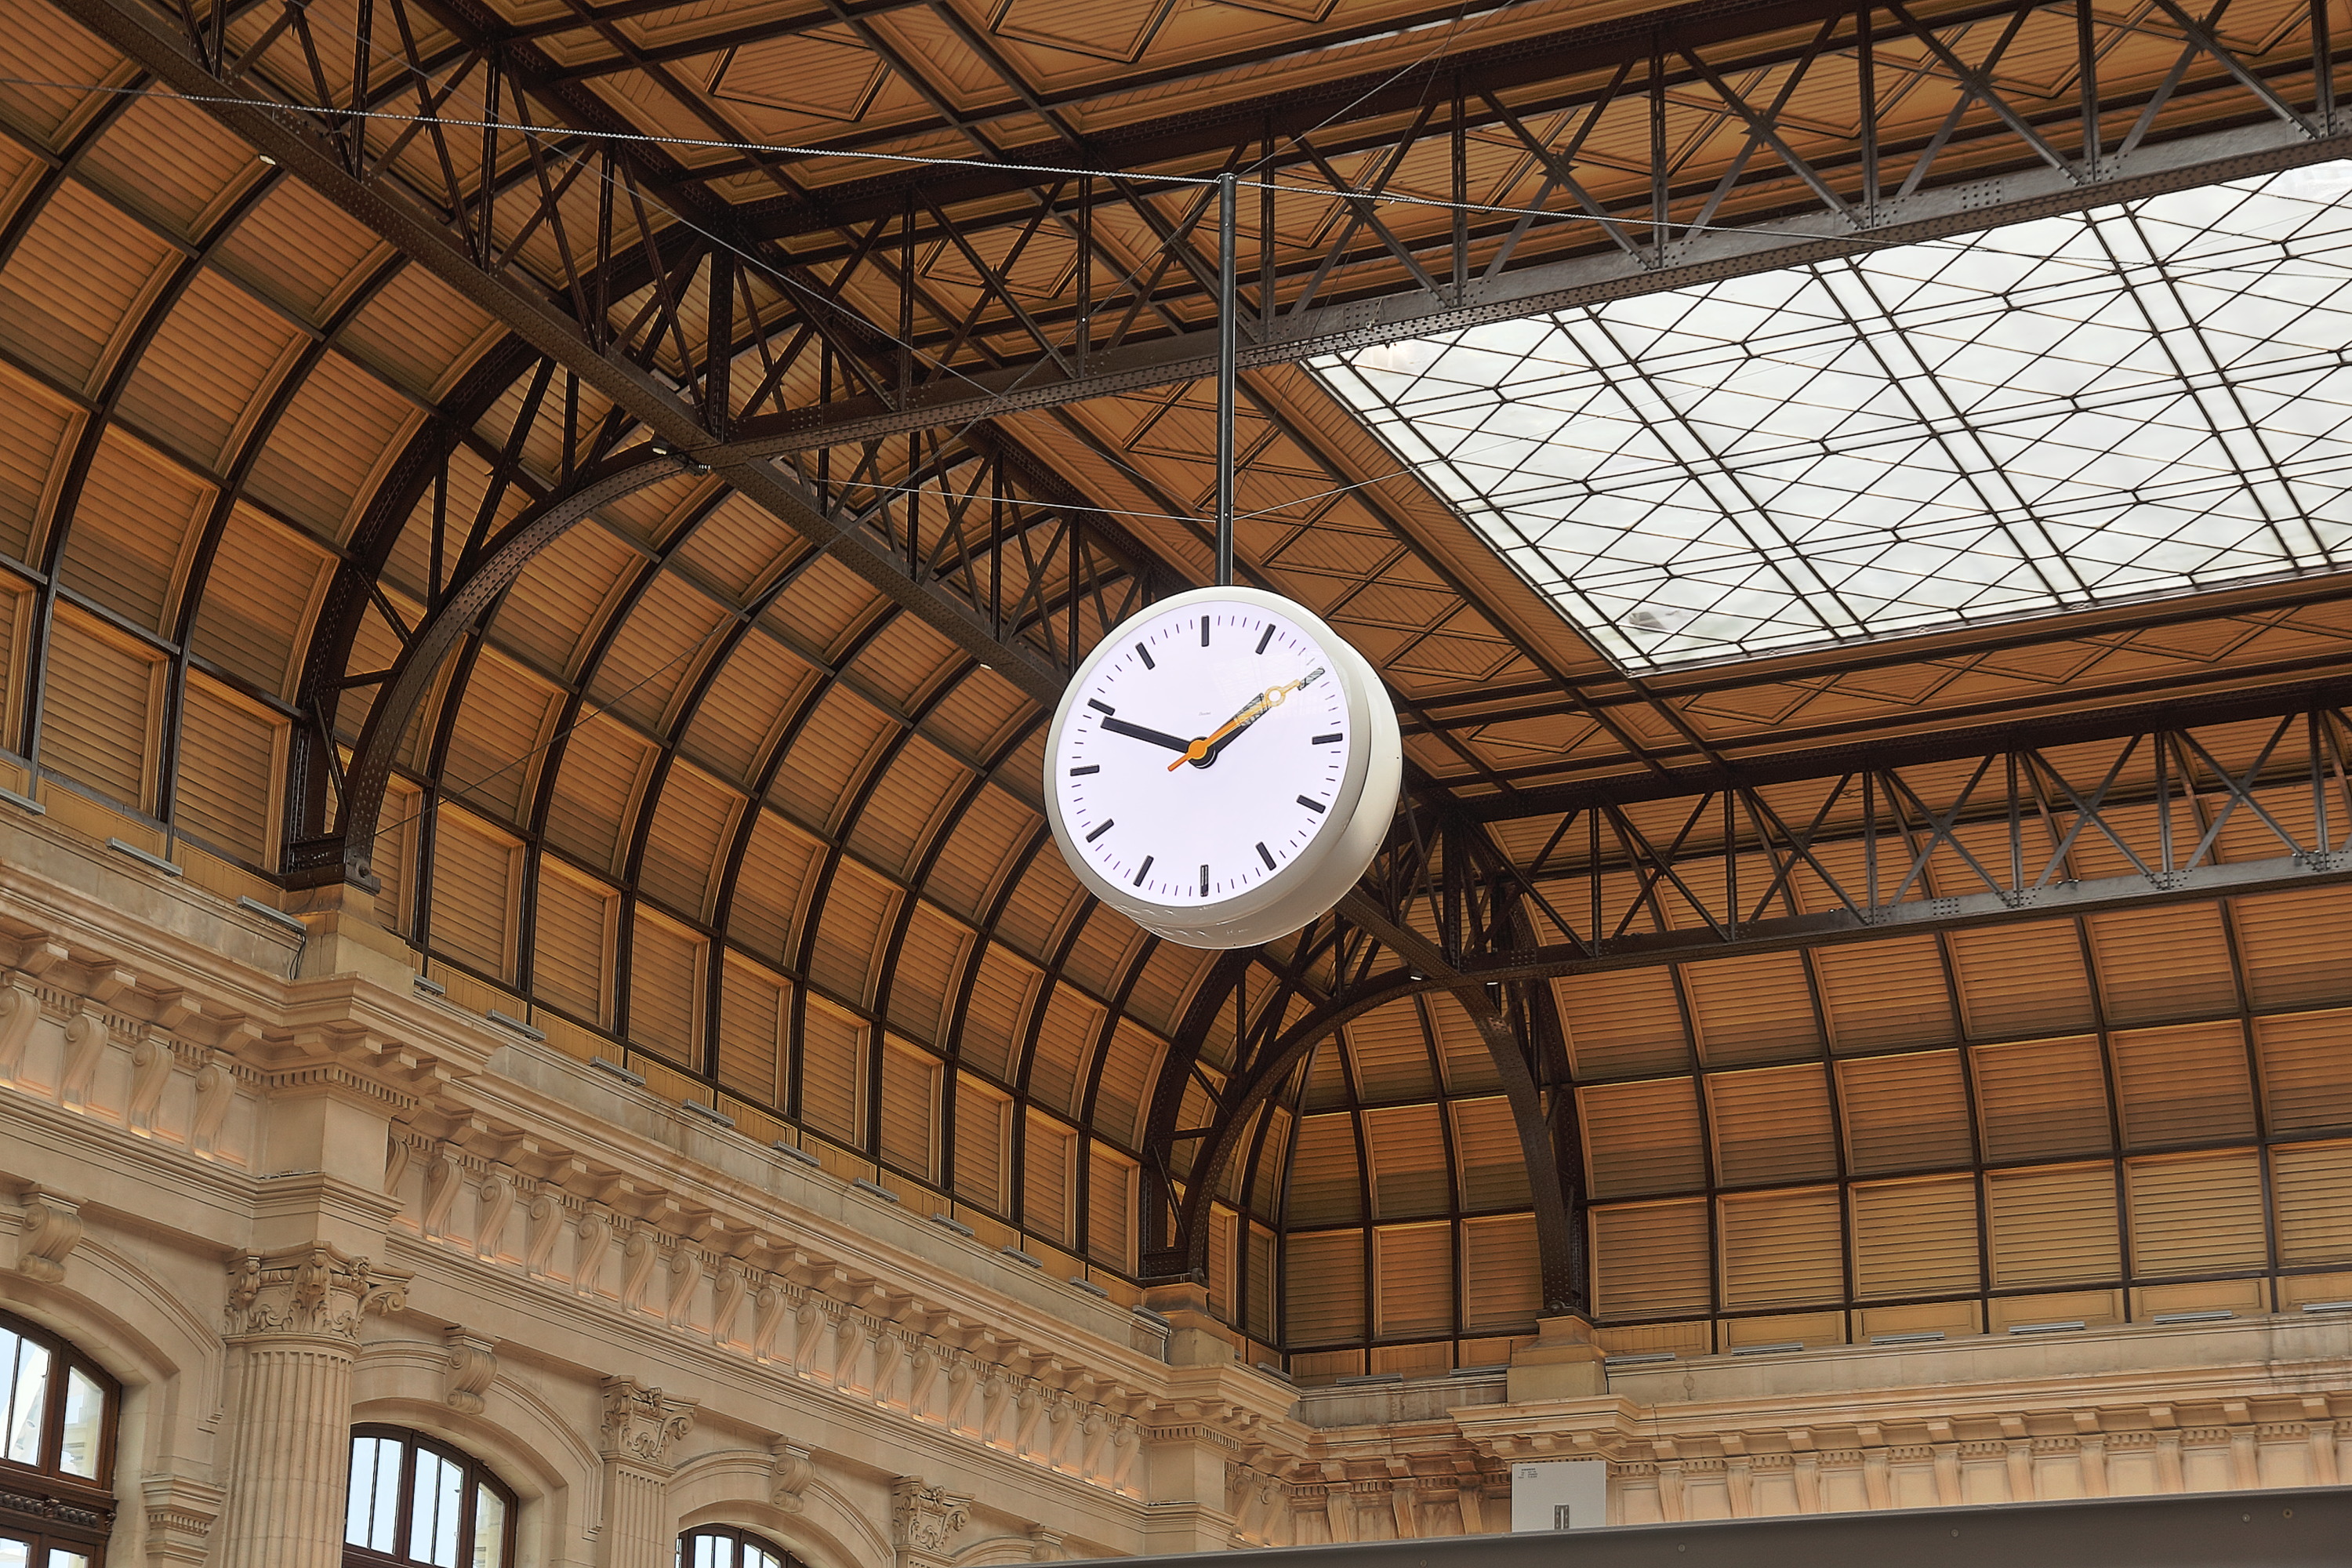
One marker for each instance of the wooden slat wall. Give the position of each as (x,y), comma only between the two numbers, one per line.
(1048,1179)
(2043,1098)
(1623,1021)
(1783,1248)
(1905,1113)
(984,1128)
(571,943)
(666,987)
(2314,1219)
(2188,1084)
(1772,1125)
(754,1021)
(2052,1225)
(2195,1213)
(1500,1294)
(2021,980)
(1406,1147)
(1916,1238)
(477,877)
(101,701)
(1412,1274)
(1640,1137)
(1492,1169)
(910,1107)
(1757,1008)
(833,1072)
(1650,1260)
(1110,1208)
(228,787)
(2305,1087)
(1323,1287)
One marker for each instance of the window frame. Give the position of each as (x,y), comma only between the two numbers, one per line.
(474,1474)
(740,1537)
(44,1503)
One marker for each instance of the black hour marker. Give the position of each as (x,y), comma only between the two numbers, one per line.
(1205,642)
(1143,871)
(1266,637)
(1144,653)
(1098,832)
(1204,870)
(1099,706)
(1328,740)
(1316,806)
(1089,768)
(1265,855)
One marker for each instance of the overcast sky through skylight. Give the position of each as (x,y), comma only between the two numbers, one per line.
(2137,400)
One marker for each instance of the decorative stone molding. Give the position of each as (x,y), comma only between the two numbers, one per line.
(215,1089)
(546,1225)
(493,1201)
(181,1513)
(641,1423)
(151,1071)
(86,1038)
(473,1364)
(789,1480)
(314,1291)
(19,1011)
(588,1261)
(924,1521)
(51,1229)
(1045,1545)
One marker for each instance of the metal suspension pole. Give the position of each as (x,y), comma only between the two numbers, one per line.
(1228,324)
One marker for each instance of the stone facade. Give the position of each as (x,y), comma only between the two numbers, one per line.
(277,1188)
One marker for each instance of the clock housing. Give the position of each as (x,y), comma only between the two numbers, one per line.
(1221,767)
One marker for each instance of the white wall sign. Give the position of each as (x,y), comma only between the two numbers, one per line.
(1560,1494)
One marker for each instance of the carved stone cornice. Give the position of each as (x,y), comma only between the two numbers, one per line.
(641,1423)
(315,1292)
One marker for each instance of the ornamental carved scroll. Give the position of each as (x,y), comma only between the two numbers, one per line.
(316,1291)
(641,1423)
(925,1518)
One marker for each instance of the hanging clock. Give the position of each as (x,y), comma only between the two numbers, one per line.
(1222,767)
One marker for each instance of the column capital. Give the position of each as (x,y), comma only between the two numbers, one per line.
(307,1292)
(924,1521)
(641,1423)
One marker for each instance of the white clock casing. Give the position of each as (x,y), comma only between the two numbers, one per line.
(1293,804)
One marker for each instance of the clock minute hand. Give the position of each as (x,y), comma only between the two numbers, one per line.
(1206,748)
(1138,732)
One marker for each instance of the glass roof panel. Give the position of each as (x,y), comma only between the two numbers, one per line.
(2145,399)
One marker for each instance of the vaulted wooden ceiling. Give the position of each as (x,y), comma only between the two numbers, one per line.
(732,775)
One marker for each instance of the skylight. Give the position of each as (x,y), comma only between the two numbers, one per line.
(2147,399)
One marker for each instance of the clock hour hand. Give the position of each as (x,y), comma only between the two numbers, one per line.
(1138,732)
(1203,751)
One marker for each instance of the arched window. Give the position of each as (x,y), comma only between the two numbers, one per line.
(56,1452)
(724,1546)
(422,1504)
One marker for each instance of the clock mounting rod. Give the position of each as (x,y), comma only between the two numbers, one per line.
(1228,321)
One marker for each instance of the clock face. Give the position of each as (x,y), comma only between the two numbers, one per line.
(1204,752)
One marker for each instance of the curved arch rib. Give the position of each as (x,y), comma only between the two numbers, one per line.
(460,611)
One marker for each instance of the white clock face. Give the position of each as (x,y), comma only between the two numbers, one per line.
(1203,753)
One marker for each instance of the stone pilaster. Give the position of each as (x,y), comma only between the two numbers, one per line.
(294,1320)
(641,1427)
